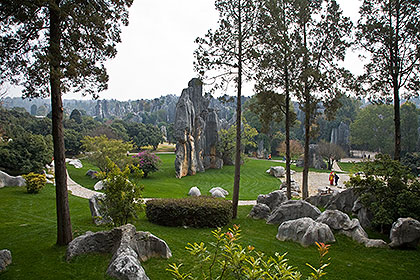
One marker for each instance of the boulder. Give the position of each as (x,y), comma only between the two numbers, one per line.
(196,127)
(223,191)
(293,185)
(277,171)
(343,201)
(291,210)
(305,231)
(99,185)
(336,220)
(194,191)
(128,247)
(320,200)
(11,181)
(217,193)
(273,199)
(75,162)
(364,215)
(5,259)
(260,211)
(97,210)
(405,233)
(92,173)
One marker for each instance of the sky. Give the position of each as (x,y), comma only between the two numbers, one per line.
(156,58)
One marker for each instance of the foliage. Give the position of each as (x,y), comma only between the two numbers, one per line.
(228,259)
(331,152)
(123,200)
(409,127)
(372,129)
(25,153)
(147,162)
(144,135)
(34,182)
(100,148)
(227,141)
(296,149)
(412,161)
(389,32)
(388,190)
(191,212)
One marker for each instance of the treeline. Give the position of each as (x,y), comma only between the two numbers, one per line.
(26,141)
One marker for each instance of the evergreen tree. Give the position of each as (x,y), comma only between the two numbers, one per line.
(52,46)
(389,31)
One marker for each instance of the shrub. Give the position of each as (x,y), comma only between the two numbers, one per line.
(34,182)
(228,259)
(388,190)
(191,211)
(122,200)
(147,162)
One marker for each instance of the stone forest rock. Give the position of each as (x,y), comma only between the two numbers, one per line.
(260,211)
(319,200)
(194,191)
(99,185)
(343,201)
(217,193)
(92,173)
(305,231)
(196,132)
(11,181)
(5,259)
(341,136)
(97,210)
(405,233)
(291,210)
(127,246)
(315,159)
(273,199)
(223,191)
(277,171)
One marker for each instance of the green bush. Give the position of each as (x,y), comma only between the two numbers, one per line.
(192,211)
(35,182)
(226,258)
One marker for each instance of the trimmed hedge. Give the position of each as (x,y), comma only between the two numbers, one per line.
(192,212)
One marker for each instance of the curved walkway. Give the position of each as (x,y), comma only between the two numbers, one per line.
(80,191)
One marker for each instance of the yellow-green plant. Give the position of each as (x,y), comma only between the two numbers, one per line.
(34,182)
(228,259)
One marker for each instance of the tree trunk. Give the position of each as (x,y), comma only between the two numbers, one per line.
(287,124)
(305,192)
(64,230)
(235,198)
(397,124)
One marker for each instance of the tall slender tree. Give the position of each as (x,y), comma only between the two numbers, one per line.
(323,40)
(275,67)
(389,31)
(54,46)
(225,53)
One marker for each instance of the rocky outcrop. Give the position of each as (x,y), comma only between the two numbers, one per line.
(291,210)
(273,199)
(305,231)
(222,190)
(196,127)
(128,247)
(260,211)
(92,173)
(320,200)
(97,210)
(11,181)
(405,233)
(5,259)
(277,171)
(194,191)
(341,136)
(343,201)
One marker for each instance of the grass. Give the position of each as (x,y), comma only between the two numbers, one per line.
(351,167)
(28,229)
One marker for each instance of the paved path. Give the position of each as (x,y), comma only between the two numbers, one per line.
(79,191)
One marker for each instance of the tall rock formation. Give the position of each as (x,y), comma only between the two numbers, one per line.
(341,136)
(196,127)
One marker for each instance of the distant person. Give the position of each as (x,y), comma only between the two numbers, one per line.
(336,179)
(331,178)
(269,156)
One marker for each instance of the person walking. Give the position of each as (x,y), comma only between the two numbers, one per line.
(331,178)
(336,179)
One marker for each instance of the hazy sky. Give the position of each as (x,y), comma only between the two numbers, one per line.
(156,54)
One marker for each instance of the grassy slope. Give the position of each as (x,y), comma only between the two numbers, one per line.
(27,228)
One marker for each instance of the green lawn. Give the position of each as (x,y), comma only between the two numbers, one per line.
(351,167)
(28,229)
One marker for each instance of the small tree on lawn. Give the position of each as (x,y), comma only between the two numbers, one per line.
(331,152)
(123,199)
(147,162)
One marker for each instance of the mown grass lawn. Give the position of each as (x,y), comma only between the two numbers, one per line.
(28,229)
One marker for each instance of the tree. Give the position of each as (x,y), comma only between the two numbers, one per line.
(51,47)
(372,129)
(101,149)
(331,152)
(224,50)
(322,41)
(389,31)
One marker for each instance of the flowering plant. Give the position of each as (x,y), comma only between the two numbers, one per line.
(147,162)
